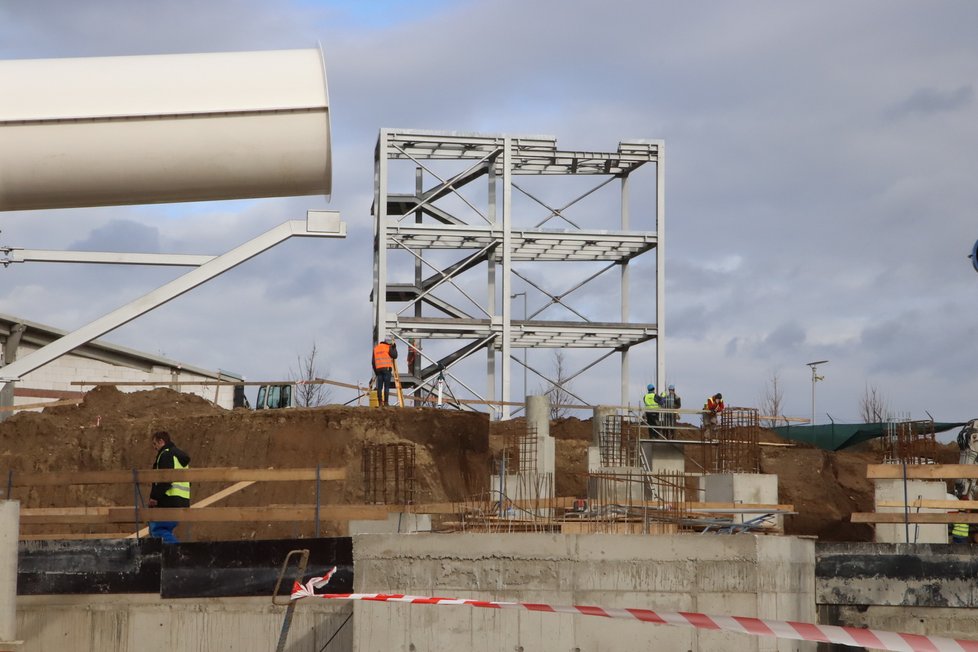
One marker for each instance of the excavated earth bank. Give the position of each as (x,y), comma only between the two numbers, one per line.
(110,430)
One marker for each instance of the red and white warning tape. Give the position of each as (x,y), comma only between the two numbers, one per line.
(854,636)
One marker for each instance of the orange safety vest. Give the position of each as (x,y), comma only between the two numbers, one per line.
(382,356)
(713,405)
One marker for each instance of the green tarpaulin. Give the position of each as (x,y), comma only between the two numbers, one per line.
(836,436)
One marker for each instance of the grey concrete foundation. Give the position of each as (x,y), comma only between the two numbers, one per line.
(146,623)
(767,577)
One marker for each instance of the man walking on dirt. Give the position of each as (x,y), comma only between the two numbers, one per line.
(385,353)
(168,494)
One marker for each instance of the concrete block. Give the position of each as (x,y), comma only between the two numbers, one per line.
(898,533)
(664,458)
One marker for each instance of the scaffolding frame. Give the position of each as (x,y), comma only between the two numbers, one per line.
(436,217)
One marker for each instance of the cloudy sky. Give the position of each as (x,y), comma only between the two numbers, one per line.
(820,197)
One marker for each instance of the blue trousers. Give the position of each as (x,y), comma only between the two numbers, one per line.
(385,379)
(163,530)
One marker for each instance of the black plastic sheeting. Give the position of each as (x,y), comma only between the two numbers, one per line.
(184,570)
(88,566)
(242,568)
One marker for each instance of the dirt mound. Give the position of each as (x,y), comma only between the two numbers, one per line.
(111,429)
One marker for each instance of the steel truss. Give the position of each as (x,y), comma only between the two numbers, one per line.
(449,226)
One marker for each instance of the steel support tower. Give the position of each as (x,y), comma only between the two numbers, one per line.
(463,221)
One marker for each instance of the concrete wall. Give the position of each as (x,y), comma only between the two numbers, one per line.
(146,623)
(767,577)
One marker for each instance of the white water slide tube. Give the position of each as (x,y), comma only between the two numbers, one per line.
(163,128)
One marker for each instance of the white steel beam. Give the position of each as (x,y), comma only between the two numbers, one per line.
(106,257)
(163,294)
(660,266)
(507,268)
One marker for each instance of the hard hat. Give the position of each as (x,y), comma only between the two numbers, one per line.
(650,388)
(672,387)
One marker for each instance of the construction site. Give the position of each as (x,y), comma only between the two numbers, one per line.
(464,516)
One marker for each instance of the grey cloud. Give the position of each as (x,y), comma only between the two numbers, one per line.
(785,337)
(928,101)
(121,236)
(732,346)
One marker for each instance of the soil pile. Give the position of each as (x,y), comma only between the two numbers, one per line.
(110,430)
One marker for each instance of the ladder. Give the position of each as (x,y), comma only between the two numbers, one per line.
(397,384)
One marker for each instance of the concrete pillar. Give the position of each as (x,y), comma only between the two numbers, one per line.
(538,416)
(9,533)
(597,422)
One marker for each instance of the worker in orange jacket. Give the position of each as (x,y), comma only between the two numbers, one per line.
(713,407)
(384,355)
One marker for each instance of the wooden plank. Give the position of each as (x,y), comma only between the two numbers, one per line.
(922,471)
(68,536)
(37,479)
(456,507)
(85,515)
(206,502)
(567,502)
(931,503)
(914,517)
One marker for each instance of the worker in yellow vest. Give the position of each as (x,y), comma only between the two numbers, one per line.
(960,532)
(651,403)
(168,494)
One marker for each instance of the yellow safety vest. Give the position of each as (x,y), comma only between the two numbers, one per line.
(178,489)
(650,402)
(960,530)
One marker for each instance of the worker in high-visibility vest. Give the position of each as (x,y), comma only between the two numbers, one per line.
(171,493)
(960,533)
(712,407)
(651,403)
(385,353)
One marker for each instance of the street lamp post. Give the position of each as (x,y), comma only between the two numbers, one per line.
(513,296)
(815,379)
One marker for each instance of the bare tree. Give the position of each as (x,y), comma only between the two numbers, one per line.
(307,393)
(872,406)
(773,401)
(558,388)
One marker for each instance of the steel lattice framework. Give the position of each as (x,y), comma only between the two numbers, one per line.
(450,225)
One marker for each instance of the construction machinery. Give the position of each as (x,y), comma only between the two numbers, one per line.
(273,397)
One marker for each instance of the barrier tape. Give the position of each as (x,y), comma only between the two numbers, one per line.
(853,636)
